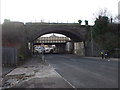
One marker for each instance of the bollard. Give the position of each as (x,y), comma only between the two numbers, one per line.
(43,58)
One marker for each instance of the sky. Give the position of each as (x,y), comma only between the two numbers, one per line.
(59,11)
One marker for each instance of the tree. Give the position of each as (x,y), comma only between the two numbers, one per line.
(6,20)
(100,28)
(100,25)
(86,22)
(80,21)
(106,33)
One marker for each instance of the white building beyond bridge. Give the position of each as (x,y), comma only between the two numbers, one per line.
(52,39)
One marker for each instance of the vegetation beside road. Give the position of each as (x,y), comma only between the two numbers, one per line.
(106,34)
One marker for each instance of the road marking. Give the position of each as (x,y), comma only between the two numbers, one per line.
(63,78)
(66,80)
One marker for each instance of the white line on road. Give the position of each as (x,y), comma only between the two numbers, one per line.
(63,78)
(66,80)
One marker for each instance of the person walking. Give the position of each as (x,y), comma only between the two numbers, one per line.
(102,54)
(106,55)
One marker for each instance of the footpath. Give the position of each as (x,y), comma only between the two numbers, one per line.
(34,74)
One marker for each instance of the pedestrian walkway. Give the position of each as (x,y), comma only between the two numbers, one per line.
(34,74)
(6,70)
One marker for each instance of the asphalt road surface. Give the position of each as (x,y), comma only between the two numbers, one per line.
(84,72)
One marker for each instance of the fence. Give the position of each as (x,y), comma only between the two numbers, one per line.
(9,56)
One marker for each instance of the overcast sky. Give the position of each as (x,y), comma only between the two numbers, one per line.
(55,10)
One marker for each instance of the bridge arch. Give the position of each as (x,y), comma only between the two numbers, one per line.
(75,32)
(71,35)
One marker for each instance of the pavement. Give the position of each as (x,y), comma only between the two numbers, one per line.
(6,70)
(34,73)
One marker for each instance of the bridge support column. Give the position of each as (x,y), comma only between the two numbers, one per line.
(60,48)
(79,48)
(69,47)
(30,46)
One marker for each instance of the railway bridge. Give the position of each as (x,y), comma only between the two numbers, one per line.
(24,34)
(76,32)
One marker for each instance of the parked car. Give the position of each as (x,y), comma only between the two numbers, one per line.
(45,50)
(39,49)
(49,50)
